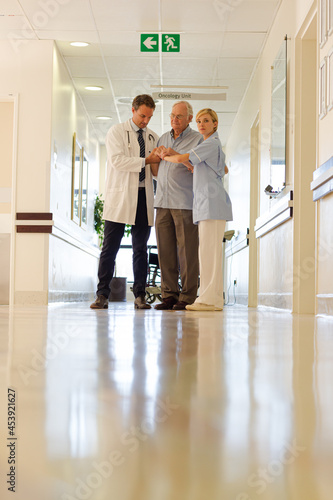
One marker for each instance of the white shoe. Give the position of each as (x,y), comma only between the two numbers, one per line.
(200,307)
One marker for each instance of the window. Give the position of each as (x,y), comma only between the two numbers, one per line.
(323,22)
(330,17)
(330,80)
(322,88)
(76,181)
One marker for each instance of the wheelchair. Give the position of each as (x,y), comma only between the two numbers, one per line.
(153,287)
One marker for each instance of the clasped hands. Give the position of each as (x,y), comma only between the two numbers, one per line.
(162,153)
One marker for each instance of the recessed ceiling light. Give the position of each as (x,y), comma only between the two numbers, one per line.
(125,100)
(93,87)
(103,117)
(79,44)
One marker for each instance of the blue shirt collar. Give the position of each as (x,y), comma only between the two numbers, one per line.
(185,132)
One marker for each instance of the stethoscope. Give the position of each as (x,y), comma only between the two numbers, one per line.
(150,138)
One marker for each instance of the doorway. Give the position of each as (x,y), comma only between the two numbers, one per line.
(304,283)
(7,205)
(254,213)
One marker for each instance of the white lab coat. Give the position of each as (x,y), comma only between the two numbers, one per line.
(123,169)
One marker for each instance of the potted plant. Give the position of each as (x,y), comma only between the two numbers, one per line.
(118,284)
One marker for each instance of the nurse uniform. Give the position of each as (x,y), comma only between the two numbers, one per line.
(211,209)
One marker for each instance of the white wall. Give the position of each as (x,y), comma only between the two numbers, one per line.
(275,250)
(73,256)
(325,205)
(20,65)
(48,115)
(6,148)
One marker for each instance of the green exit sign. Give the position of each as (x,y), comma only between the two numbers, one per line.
(150,42)
(170,43)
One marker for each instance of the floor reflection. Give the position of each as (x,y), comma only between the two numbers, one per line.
(146,405)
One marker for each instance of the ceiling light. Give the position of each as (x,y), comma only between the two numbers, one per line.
(216,87)
(92,87)
(79,44)
(103,117)
(125,100)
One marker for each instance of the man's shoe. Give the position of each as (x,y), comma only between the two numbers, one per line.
(166,304)
(180,305)
(140,303)
(101,302)
(200,307)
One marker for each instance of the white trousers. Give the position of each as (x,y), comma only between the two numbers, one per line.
(211,234)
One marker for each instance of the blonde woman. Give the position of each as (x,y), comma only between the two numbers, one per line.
(211,208)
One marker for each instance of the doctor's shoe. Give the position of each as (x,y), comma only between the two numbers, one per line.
(101,302)
(166,304)
(140,303)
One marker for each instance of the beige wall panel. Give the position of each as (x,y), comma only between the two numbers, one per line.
(325,246)
(276,267)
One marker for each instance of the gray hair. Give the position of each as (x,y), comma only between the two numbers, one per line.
(188,107)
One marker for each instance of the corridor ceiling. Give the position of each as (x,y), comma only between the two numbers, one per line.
(220,43)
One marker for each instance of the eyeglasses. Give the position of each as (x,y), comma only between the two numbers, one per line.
(178,117)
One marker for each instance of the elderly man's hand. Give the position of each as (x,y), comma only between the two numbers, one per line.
(167,152)
(160,151)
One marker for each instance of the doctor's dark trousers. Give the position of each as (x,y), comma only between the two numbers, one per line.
(113,233)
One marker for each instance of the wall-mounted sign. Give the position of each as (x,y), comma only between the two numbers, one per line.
(170,43)
(189,96)
(150,42)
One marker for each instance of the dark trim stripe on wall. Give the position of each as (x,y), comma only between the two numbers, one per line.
(34,216)
(30,219)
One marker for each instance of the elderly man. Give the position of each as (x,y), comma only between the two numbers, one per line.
(177,236)
(129,198)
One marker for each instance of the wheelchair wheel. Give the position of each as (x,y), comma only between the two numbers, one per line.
(150,298)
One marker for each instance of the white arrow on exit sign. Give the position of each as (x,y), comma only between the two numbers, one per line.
(149,42)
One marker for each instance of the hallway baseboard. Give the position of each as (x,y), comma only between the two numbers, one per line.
(278,300)
(70,296)
(325,304)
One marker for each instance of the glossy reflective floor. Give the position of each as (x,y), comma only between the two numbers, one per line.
(161,405)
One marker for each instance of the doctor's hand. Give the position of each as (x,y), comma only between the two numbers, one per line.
(153,157)
(160,151)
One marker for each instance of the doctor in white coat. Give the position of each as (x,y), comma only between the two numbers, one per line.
(129,198)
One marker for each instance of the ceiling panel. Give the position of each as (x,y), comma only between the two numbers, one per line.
(126,15)
(86,66)
(261,15)
(217,15)
(53,15)
(221,41)
(141,68)
(242,45)
(8,23)
(10,7)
